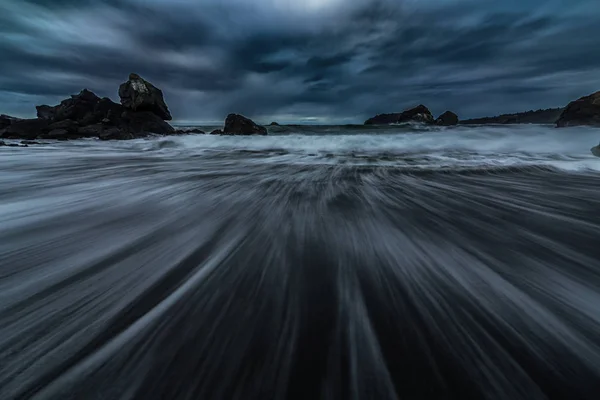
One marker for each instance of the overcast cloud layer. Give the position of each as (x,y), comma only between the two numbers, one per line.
(303,60)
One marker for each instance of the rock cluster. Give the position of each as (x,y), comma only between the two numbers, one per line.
(419,114)
(142,111)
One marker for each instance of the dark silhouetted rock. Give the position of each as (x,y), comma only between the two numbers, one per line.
(419,114)
(58,134)
(273,124)
(236,124)
(67,124)
(447,119)
(26,129)
(547,116)
(108,112)
(144,122)
(217,132)
(114,133)
(28,142)
(139,95)
(596,150)
(79,107)
(6,120)
(584,111)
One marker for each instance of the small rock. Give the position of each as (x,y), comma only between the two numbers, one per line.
(596,150)
(273,124)
(27,142)
(447,119)
(217,132)
(236,124)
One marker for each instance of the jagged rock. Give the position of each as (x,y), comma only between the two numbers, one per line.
(140,95)
(447,119)
(236,124)
(25,129)
(79,107)
(109,112)
(584,111)
(217,132)
(45,112)
(6,120)
(418,114)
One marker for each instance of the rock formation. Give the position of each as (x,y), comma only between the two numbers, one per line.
(419,114)
(447,119)
(596,150)
(236,124)
(139,95)
(85,115)
(584,111)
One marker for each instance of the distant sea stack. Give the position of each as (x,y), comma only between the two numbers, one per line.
(419,114)
(584,111)
(236,124)
(142,111)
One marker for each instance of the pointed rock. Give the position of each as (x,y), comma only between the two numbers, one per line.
(236,124)
(138,94)
(447,119)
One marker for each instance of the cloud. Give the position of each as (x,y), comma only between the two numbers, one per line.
(340,61)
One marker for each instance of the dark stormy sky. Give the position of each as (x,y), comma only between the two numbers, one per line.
(303,60)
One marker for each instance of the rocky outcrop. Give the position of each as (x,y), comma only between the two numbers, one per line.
(25,129)
(6,120)
(274,124)
(138,94)
(86,115)
(236,124)
(447,119)
(546,116)
(596,150)
(584,111)
(420,114)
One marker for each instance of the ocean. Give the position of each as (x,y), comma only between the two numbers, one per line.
(317,262)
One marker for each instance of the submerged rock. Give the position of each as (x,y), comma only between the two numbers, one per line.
(140,95)
(217,132)
(447,119)
(419,114)
(236,124)
(584,111)
(190,131)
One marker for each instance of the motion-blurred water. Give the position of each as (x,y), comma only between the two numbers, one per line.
(314,263)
